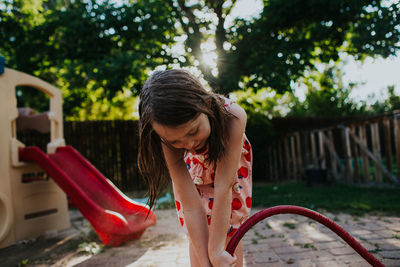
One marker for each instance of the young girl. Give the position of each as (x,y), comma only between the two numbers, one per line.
(196,139)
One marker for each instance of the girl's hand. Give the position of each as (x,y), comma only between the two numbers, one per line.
(223,259)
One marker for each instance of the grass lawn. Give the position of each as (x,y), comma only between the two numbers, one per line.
(333,198)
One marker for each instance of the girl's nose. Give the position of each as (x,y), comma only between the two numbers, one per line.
(189,145)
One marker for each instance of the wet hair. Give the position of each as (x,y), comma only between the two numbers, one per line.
(172,98)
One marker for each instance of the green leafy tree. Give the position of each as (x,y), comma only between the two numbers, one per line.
(327,96)
(101,48)
(390,104)
(87,49)
(288,38)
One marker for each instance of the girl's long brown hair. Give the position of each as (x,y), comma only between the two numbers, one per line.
(171,98)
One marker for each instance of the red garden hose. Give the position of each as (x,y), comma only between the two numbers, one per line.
(284,209)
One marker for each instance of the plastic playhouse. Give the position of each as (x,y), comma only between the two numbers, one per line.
(30,208)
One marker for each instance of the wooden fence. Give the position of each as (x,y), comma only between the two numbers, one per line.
(111,146)
(363,152)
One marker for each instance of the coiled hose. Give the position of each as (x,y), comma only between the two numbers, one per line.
(284,209)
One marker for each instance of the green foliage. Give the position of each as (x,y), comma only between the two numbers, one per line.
(123,106)
(100,51)
(327,96)
(87,49)
(29,97)
(291,36)
(390,104)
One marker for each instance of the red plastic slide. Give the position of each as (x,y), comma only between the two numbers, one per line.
(114,216)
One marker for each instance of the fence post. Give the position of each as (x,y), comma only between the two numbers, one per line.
(396,126)
(365,160)
(331,146)
(306,159)
(269,167)
(314,156)
(388,143)
(347,151)
(356,155)
(281,163)
(294,161)
(287,155)
(376,148)
(299,153)
(276,162)
(321,150)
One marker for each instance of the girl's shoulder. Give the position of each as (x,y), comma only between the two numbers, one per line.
(233,108)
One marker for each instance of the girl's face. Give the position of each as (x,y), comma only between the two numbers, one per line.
(191,136)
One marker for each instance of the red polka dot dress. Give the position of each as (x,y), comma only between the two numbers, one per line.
(203,177)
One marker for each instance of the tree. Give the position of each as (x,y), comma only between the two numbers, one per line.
(390,104)
(84,46)
(99,46)
(288,38)
(327,95)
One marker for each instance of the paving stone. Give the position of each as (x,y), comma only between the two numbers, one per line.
(274,243)
(331,263)
(298,263)
(328,245)
(323,258)
(371,237)
(309,255)
(360,264)
(348,259)
(372,226)
(360,232)
(266,258)
(254,264)
(368,246)
(390,254)
(391,263)
(387,244)
(290,249)
(396,227)
(342,251)
(386,233)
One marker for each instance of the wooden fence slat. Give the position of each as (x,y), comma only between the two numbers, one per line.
(388,144)
(396,136)
(376,148)
(335,157)
(365,160)
(307,155)
(347,150)
(281,163)
(275,155)
(314,156)
(331,148)
(294,162)
(321,150)
(287,156)
(374,158)
(299,153)
(356,156)
(270,166)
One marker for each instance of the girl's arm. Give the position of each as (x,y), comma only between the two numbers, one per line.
(195,216)
(225,177)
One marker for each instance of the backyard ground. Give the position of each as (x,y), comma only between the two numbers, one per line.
(281,240)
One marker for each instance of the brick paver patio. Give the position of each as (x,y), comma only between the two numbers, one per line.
(281,240)
(293,240)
